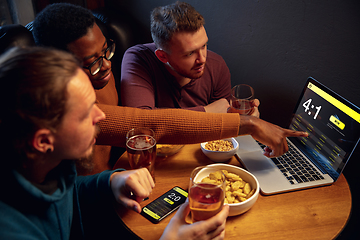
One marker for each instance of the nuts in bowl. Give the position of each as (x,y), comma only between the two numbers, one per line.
(242,187)
(220,150)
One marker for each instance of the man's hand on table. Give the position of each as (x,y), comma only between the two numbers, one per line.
(269,134)
(213,228)
(131,187)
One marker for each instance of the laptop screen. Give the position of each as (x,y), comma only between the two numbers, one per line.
(333,124)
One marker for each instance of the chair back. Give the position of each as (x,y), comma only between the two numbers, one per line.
(15,35)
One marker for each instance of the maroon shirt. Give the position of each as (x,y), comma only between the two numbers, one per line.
(147,84)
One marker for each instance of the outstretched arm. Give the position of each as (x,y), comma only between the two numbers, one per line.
(171,126)
(178,126)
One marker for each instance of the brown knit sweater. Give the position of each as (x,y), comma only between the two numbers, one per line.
(172,126)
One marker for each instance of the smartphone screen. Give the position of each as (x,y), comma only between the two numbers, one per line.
(161,207)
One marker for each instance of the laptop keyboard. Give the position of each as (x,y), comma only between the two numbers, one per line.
(295,167)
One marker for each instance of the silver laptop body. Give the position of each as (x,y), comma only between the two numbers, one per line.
(333,124)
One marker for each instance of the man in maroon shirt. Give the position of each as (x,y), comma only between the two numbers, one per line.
(177,70)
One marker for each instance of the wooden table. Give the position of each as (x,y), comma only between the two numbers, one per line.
(318,213)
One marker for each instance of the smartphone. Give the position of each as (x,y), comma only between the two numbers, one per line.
(164,205)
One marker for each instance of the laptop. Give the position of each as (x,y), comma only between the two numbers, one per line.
(333,124)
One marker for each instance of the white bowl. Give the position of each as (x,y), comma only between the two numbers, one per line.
(220,156)
(242,207)
(166,150)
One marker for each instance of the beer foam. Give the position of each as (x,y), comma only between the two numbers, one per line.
(141,143)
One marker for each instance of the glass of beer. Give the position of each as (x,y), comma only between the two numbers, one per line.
(241,100)
(141,149)
(206,197)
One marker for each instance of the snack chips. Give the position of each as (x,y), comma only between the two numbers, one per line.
(236,190)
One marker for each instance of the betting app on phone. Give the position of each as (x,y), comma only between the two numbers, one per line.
(164,205)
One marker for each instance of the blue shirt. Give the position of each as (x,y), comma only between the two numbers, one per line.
(29,213)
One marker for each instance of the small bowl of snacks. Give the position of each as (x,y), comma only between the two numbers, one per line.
(166,150)
(220,150)
(242,187)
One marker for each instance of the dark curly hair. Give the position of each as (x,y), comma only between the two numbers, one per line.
(59,24)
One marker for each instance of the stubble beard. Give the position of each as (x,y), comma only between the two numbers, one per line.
(186,75)
(85,165)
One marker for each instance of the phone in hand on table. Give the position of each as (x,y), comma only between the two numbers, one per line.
(164,205)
